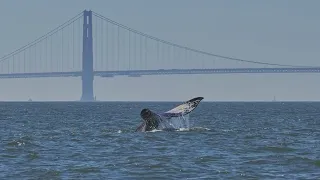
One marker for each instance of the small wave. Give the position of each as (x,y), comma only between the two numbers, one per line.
(317,163)
(181,129)
(200,129)
(16,143)
(227,130)
(194,129)
(86,169)
(277,149)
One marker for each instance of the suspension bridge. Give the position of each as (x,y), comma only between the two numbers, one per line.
(90,44)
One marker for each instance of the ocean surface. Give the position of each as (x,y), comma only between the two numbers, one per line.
(226,140)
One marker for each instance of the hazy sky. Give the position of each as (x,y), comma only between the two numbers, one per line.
(284,32)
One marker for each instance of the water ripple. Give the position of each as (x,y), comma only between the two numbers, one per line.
(97,141)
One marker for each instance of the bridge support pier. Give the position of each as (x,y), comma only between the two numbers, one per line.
(87,58)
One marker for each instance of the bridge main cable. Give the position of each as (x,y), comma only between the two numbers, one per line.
(191,49)
(43,37)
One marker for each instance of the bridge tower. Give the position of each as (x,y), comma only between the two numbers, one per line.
(87,58)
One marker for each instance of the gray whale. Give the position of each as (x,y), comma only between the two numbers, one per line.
(152,120)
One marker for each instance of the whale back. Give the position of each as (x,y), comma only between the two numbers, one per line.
(151,120)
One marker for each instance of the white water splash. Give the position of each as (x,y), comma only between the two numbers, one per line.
(181,123)
(155,130)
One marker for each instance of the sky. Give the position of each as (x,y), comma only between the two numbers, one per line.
(283,32)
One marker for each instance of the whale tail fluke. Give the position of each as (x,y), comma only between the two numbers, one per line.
(184,108)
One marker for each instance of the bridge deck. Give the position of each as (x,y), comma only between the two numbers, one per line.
(137,73)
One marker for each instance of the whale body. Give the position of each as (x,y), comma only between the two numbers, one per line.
(152,120)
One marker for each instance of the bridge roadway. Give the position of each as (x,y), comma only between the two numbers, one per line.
(138,73)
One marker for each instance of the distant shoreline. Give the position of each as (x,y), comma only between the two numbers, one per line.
(162,101)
